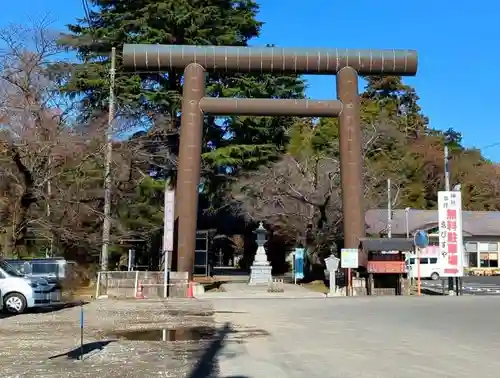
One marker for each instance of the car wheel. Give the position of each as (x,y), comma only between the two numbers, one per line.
(434,276)
(14,303)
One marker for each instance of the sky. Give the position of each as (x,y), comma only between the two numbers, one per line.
(457,42)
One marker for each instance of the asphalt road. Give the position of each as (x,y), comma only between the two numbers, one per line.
(472,285)
(390,337)
(482,280)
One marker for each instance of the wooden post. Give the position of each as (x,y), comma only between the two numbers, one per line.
(371,284)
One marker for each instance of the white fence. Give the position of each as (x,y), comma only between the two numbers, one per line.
(148,284)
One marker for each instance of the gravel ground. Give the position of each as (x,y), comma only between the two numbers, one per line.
(46,344)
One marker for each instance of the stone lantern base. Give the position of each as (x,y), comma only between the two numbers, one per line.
(260,275)
(260,269)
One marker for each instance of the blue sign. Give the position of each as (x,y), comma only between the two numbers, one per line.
(299,263)
(421,239)
(81,316)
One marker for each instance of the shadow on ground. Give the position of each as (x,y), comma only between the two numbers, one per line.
(58,307)
(47,309)
(207,365)
(200,313)
(80,352)
(431,292)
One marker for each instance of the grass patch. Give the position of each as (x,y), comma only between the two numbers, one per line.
(214,286)
(78,293)
(203,280)
(316,286)
(425,291)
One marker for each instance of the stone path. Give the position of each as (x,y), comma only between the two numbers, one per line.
(243,290)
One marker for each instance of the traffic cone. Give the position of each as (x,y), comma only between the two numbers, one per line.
(190,293)
(140,291)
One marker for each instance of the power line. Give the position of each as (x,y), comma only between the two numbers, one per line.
(488,146)
(86,10)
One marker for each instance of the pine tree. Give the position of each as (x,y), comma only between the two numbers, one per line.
(389,96)
(241,142)
(112,23)
(152,99)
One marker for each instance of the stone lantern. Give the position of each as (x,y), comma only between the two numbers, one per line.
(260,269)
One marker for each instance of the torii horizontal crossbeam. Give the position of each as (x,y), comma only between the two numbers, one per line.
(271,59)
(270,107)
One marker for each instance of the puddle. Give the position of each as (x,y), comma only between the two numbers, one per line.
(189,313)
(203,313)
(167,334)
(186,334)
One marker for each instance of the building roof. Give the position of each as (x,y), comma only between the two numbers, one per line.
(386,244)
(480,223)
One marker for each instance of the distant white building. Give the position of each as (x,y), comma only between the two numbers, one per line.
(481,231)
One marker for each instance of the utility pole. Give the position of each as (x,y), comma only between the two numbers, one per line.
(49,195)
(446,168)
(447,188)
(106,225)
(389,209)
(407,222)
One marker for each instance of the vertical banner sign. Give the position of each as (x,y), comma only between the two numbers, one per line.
(299,263)
(168,235)
(450,233)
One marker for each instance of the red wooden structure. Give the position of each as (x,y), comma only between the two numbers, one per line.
(385,262)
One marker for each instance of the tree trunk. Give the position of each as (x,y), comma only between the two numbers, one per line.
(8,243)
(19,226)
(19,232)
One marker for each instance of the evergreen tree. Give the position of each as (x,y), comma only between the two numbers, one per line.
(240,142)
(112,23)
(151,100)
(390,97)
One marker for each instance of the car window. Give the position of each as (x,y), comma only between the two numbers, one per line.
(433,260)
(26,268)
(44,268)
(10,269)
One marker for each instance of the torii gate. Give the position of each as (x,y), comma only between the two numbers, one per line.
(347,64)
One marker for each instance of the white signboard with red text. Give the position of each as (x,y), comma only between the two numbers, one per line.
(450,234)
(168,221)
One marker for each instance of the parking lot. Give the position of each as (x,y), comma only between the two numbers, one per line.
(372,337)
(121,339)
(258,338)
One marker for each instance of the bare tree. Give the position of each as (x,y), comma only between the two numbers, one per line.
(38,147)
(299,196)
(51,167)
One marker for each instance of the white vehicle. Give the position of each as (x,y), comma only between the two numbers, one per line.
(18,292)
(430,267)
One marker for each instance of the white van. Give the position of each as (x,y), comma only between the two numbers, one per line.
(430,267)
(19,292)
